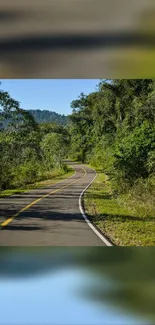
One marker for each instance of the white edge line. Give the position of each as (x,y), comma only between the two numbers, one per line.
(85,217)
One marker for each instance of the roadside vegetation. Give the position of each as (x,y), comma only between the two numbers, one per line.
(126,219)
(56,176)
(113,130)
(30,153)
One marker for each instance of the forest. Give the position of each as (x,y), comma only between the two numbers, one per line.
(44,116)
(30,151)
(111,129)
(114,128)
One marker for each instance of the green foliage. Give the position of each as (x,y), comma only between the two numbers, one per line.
(45,116)
(29,152)
(134,151)
(113,129)
(151,162)
(141,197)
(53,148)
(102,158)
(26,174)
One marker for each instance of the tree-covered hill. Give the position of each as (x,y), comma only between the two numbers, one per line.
(41,116)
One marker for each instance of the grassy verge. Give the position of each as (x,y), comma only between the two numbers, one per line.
(123,220)
(56,176)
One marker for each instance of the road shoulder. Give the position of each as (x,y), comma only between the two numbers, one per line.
(117,221)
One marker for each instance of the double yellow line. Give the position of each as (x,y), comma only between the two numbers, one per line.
(7,221)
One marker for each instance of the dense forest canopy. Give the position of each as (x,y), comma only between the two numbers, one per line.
(114,128)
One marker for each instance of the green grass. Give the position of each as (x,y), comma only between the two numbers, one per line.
(122,220)
(56,176)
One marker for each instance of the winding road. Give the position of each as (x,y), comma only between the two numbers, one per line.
(50,216)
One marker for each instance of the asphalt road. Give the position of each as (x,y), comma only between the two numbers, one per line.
(50,216)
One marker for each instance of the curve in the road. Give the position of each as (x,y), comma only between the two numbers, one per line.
(7,221)
(52,217)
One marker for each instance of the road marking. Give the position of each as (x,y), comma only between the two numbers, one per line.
(105,241)
(7,221)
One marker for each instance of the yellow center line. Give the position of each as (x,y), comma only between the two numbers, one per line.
(7,221)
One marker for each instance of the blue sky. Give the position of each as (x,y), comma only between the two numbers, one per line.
(51,94)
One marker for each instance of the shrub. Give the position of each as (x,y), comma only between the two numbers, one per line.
(133,153)
(103,159)
(26,174)
(151,162)
(6,176)
(141,197)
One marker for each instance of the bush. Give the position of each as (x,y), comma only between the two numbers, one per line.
(6,176)
(133,153)
(65,167)
(151,162)
(103,159)
(26,174)
(141,197)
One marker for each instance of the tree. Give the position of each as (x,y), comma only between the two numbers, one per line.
(54,149)
(114,126)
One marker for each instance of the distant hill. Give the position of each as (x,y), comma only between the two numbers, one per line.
(42,116)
